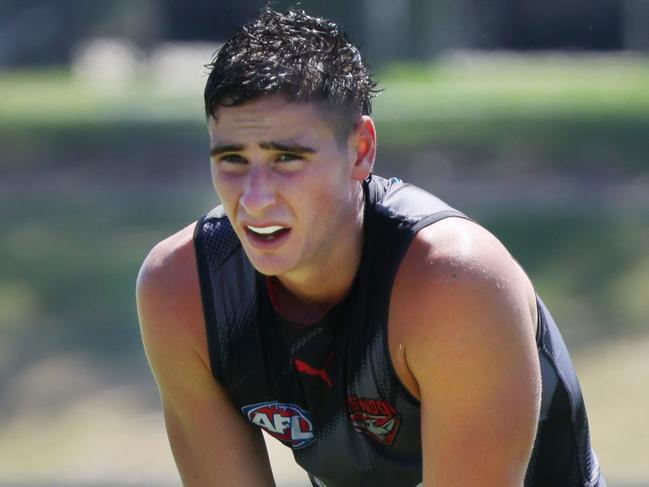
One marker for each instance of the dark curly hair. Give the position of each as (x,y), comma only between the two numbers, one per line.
(302,58)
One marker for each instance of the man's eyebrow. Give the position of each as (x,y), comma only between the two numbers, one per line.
(276,146)
(287,147)
(220,149)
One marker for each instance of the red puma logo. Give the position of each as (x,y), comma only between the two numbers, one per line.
(305,368)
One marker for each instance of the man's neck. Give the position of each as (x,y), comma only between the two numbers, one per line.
(307,294)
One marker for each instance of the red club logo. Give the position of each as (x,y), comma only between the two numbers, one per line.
(287,422)
(375,418)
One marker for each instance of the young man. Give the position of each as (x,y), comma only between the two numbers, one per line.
(382,335)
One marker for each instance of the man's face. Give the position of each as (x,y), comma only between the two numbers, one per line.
(288,185)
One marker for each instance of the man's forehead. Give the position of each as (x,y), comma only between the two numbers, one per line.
(269,115)
(260,130)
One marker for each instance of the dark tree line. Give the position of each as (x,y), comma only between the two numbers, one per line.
(47,31)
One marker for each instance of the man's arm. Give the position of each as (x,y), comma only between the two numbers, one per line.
(212,443)
(470,352)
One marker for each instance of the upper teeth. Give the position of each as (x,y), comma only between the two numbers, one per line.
(265,230)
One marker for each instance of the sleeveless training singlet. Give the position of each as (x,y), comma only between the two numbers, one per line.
(329,391)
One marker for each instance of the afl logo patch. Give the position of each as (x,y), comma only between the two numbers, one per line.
(375,418)
(287,422)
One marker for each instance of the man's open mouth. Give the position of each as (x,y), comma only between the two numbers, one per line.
(267,233)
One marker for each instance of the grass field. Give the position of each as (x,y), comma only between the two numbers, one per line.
(550,154)
(460,87)
(72,369)
(572,114)
(69,257)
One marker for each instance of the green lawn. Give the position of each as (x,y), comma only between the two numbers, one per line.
(92,178)
(516,87)
(580,113)
(534,87)
(70,258)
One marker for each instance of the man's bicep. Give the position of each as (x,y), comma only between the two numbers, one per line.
(211,441)
(480,431)
(474,358)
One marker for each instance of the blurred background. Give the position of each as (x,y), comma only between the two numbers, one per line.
(530,116)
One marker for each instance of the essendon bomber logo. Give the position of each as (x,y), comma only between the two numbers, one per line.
(287,422)
(374,417)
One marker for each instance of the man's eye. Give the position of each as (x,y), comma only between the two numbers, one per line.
(233,159)
(287,157)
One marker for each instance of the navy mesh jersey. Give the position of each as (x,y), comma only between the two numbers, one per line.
(329,390)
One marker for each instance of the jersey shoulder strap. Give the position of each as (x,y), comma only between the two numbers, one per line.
(228,291)
(412,205)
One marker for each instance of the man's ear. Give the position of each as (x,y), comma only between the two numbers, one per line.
(362,147)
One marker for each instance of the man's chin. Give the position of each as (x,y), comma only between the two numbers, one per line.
(270,267)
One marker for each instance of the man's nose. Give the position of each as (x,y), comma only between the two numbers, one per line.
(258,193)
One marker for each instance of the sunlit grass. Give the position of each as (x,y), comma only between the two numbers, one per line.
(43,98)
(69,255)
(534,86)
(590,114)
(477,87)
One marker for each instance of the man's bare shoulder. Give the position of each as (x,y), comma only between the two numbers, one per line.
(168,258)
(456,261)
(168,295)
(456,287)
